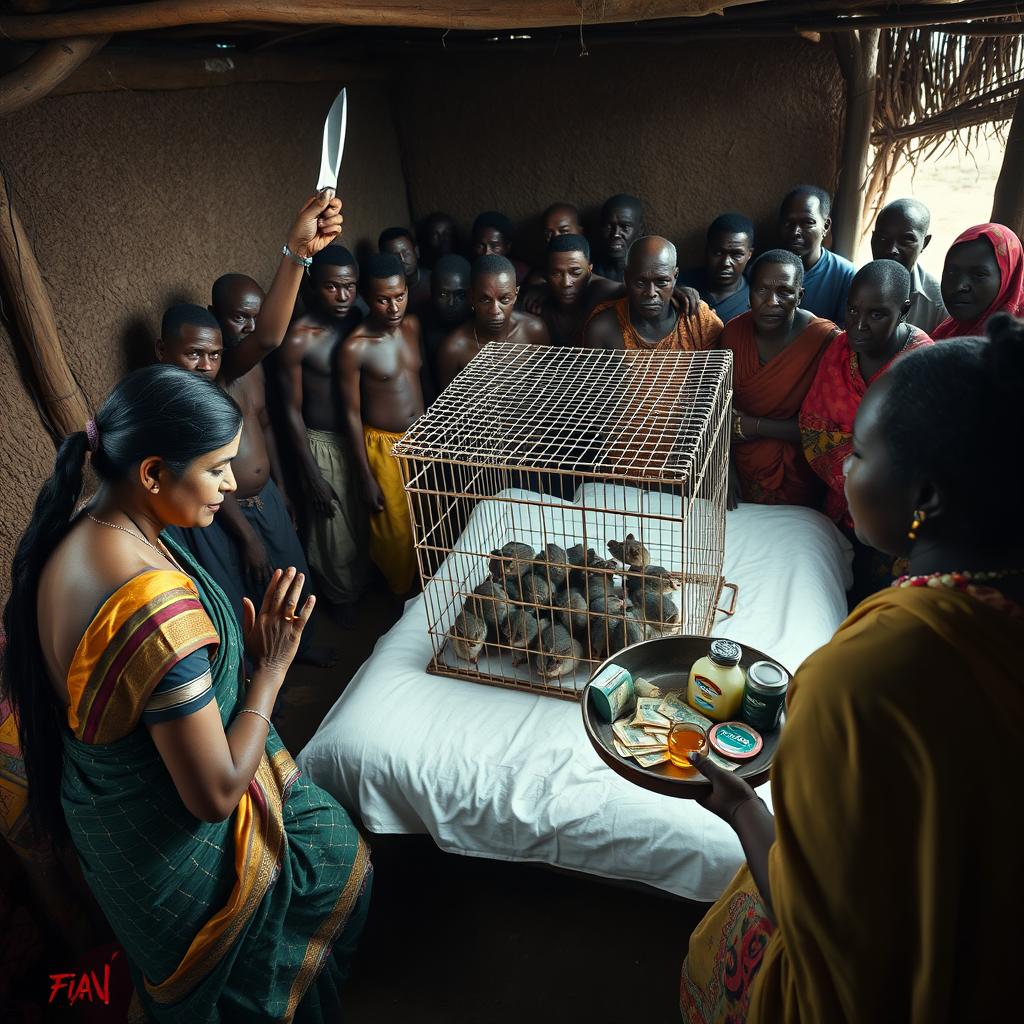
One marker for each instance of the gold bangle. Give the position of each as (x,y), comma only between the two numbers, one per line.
(253,711)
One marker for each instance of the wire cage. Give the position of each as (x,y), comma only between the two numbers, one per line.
(566,503)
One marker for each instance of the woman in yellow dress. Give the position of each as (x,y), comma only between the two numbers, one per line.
(887,885)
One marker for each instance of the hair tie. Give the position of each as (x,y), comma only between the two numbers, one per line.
(92,433)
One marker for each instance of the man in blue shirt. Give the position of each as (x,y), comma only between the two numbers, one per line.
(722,281)
(804,220)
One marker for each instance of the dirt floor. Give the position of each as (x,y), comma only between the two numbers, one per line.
(460,940)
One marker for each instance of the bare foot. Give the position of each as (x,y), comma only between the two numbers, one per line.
(318,655)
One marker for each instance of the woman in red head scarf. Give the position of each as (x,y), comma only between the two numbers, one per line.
(983,275)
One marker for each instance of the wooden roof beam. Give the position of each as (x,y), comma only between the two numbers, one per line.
(44,71)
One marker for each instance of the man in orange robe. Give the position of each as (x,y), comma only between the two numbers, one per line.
(647,317)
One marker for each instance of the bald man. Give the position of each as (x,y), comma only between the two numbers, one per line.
(560,219)
(901,234)
(647,317)
(492,296)
(622,222)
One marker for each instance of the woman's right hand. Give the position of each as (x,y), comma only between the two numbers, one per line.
(272,636)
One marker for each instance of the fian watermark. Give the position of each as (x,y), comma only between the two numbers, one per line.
(84,987)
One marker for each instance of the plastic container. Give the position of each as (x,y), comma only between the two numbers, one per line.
(717,682)
(735,740)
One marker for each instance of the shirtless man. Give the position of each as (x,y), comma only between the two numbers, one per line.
(573,289)
(448,308)
(254,533)
(622,221)
(314,425)
(647,317)
(492,295)
(379,381)
(400,242)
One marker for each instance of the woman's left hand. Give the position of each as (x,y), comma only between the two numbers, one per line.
(317,225)
(728,791)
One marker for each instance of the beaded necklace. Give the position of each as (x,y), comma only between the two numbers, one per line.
(972,583)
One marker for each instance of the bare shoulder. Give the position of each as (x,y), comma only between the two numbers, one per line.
(89,565)
(603,330)
(533,329)
(459,339)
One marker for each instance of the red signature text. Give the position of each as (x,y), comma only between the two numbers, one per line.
(84,987)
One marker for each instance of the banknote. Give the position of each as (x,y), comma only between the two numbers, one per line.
(722,762)
(674,707)
(634,739)
(658,734)
(620,749)
(643,688)
(647,713)
(650,760)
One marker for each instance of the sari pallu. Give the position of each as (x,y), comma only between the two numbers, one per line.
(230,920)
(828,411)
(775,472)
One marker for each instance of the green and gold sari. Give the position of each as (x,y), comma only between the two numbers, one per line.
(221,921)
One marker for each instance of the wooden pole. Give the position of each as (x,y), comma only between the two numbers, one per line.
(45,70)
(63,405)
(861,74)
(1008,198)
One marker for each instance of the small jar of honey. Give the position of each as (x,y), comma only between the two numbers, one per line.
(684,739)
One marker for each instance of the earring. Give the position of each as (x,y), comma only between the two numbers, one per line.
(919,518)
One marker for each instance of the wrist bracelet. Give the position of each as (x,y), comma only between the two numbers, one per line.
(253,711)
(737,429)
(300,261)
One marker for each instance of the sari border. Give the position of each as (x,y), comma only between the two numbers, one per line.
(260,833)
(146,631)
(323,938)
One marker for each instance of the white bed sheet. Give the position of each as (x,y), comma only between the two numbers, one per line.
(498,773)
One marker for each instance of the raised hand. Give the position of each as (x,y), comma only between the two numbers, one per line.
(317,224)
(272,635)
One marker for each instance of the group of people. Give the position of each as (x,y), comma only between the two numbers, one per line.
(367,349)
(149,631)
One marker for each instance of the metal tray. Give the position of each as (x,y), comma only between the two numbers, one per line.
(666,662)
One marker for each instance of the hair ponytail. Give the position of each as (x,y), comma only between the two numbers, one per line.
(24,673)
(159,410)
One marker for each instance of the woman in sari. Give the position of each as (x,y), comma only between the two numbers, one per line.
(776,348)
(877,334)
(226,877)
(885,887)
(983,275)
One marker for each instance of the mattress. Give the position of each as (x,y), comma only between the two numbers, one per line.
(511,775)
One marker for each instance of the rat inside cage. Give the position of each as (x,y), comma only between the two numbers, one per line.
(566,503)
